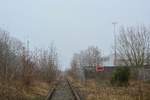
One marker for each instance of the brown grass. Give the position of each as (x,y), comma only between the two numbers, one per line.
(102,91)
(16,91)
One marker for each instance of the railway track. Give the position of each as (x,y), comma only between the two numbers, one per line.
(63,90)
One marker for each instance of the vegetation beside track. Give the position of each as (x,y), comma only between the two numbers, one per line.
(38,90)
(103,90)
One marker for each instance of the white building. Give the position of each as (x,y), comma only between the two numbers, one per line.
(109,61)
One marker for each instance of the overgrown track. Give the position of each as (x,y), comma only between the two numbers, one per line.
(63,90)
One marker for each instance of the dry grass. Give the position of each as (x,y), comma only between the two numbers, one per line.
(16,91)
(102,91)
(40,88)
(11,92)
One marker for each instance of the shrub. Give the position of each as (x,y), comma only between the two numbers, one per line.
(120,76)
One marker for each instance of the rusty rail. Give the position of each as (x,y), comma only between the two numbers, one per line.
(75,94)
(52,91)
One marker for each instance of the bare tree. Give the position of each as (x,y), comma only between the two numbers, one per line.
(19,65)
(133,46)
(48,63)
(4,54)
(85,60)
(91,56)
(133,49)
(75,65)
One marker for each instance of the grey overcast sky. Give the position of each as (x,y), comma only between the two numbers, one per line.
(72,25)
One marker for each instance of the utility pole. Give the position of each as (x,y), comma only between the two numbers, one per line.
(28,43)
(28,46)
(115,43)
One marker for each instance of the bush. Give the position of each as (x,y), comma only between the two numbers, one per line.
(121,76)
